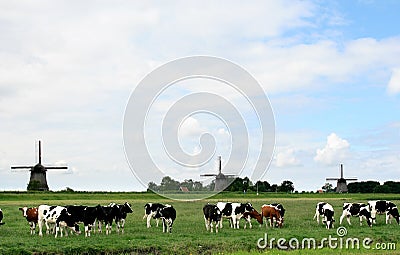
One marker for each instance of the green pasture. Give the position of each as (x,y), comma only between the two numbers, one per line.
(189,235)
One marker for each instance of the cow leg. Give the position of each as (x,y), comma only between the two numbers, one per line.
(206,223)
(123,225)
(388,219)
(148,221)
(40,228)
(216,227)
(211,226)
(220,223)
(348,219)
(163,225)
(170,222)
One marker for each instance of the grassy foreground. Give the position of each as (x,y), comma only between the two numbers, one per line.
(189,235)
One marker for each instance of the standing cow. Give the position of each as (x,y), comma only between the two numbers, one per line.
(57,215)
(272,213)
(234,211)
(356,209)
(120,217)
(150,210)
(384,207)
(31,215)
(1,217)
(211,214)
(325,211)
(168,216)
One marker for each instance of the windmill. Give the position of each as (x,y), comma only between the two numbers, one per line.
(38,173)
(221,180)
(341,186)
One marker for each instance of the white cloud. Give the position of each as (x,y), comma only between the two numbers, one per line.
(287,158)
(190,127)
(335,150)
(394,82)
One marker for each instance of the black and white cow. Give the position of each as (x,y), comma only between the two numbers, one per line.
(211,214)
(233,211)
(356,209)
(326,211)
(1,217)
(109,214)
(90,215)
(168,216)
(150,209)
(121,213)
(57,215)
(384,207)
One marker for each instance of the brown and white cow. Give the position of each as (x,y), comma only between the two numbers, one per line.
(31,215)
(247,216)
(271,213)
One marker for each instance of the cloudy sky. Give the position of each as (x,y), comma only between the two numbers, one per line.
(331,71)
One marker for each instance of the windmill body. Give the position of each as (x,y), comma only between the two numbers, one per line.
(341,186)
(38,180)
(221,180)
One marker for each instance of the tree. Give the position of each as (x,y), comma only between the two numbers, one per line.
(286,186)
(382,189)
(167,183)
(153,187)
(263,186)
(327,187)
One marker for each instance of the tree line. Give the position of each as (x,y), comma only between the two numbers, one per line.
(237,184)
(367,187)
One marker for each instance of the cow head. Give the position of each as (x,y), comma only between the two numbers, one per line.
(24,210)
(257,216)
(329,220)
(248,207)
(127,208)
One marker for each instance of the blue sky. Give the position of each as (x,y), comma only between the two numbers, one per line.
(331,70)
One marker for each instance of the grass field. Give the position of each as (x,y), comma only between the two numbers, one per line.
(189,235)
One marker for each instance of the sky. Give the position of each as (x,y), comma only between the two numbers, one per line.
(330,69)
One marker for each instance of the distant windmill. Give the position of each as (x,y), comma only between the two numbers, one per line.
(341,186)
(38,173)
(221,180)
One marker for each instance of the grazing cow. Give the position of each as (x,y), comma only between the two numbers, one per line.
(31,215)
(57,215)
(253,214)
(234,211)
(168,216)
(121,214)
(326,211)
(211,214)
(281,210)
(272,213)
(150,209)
(356,209)
(1,217)
(381,207)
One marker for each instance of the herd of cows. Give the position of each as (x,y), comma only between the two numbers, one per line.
(59,219)
(364,211)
